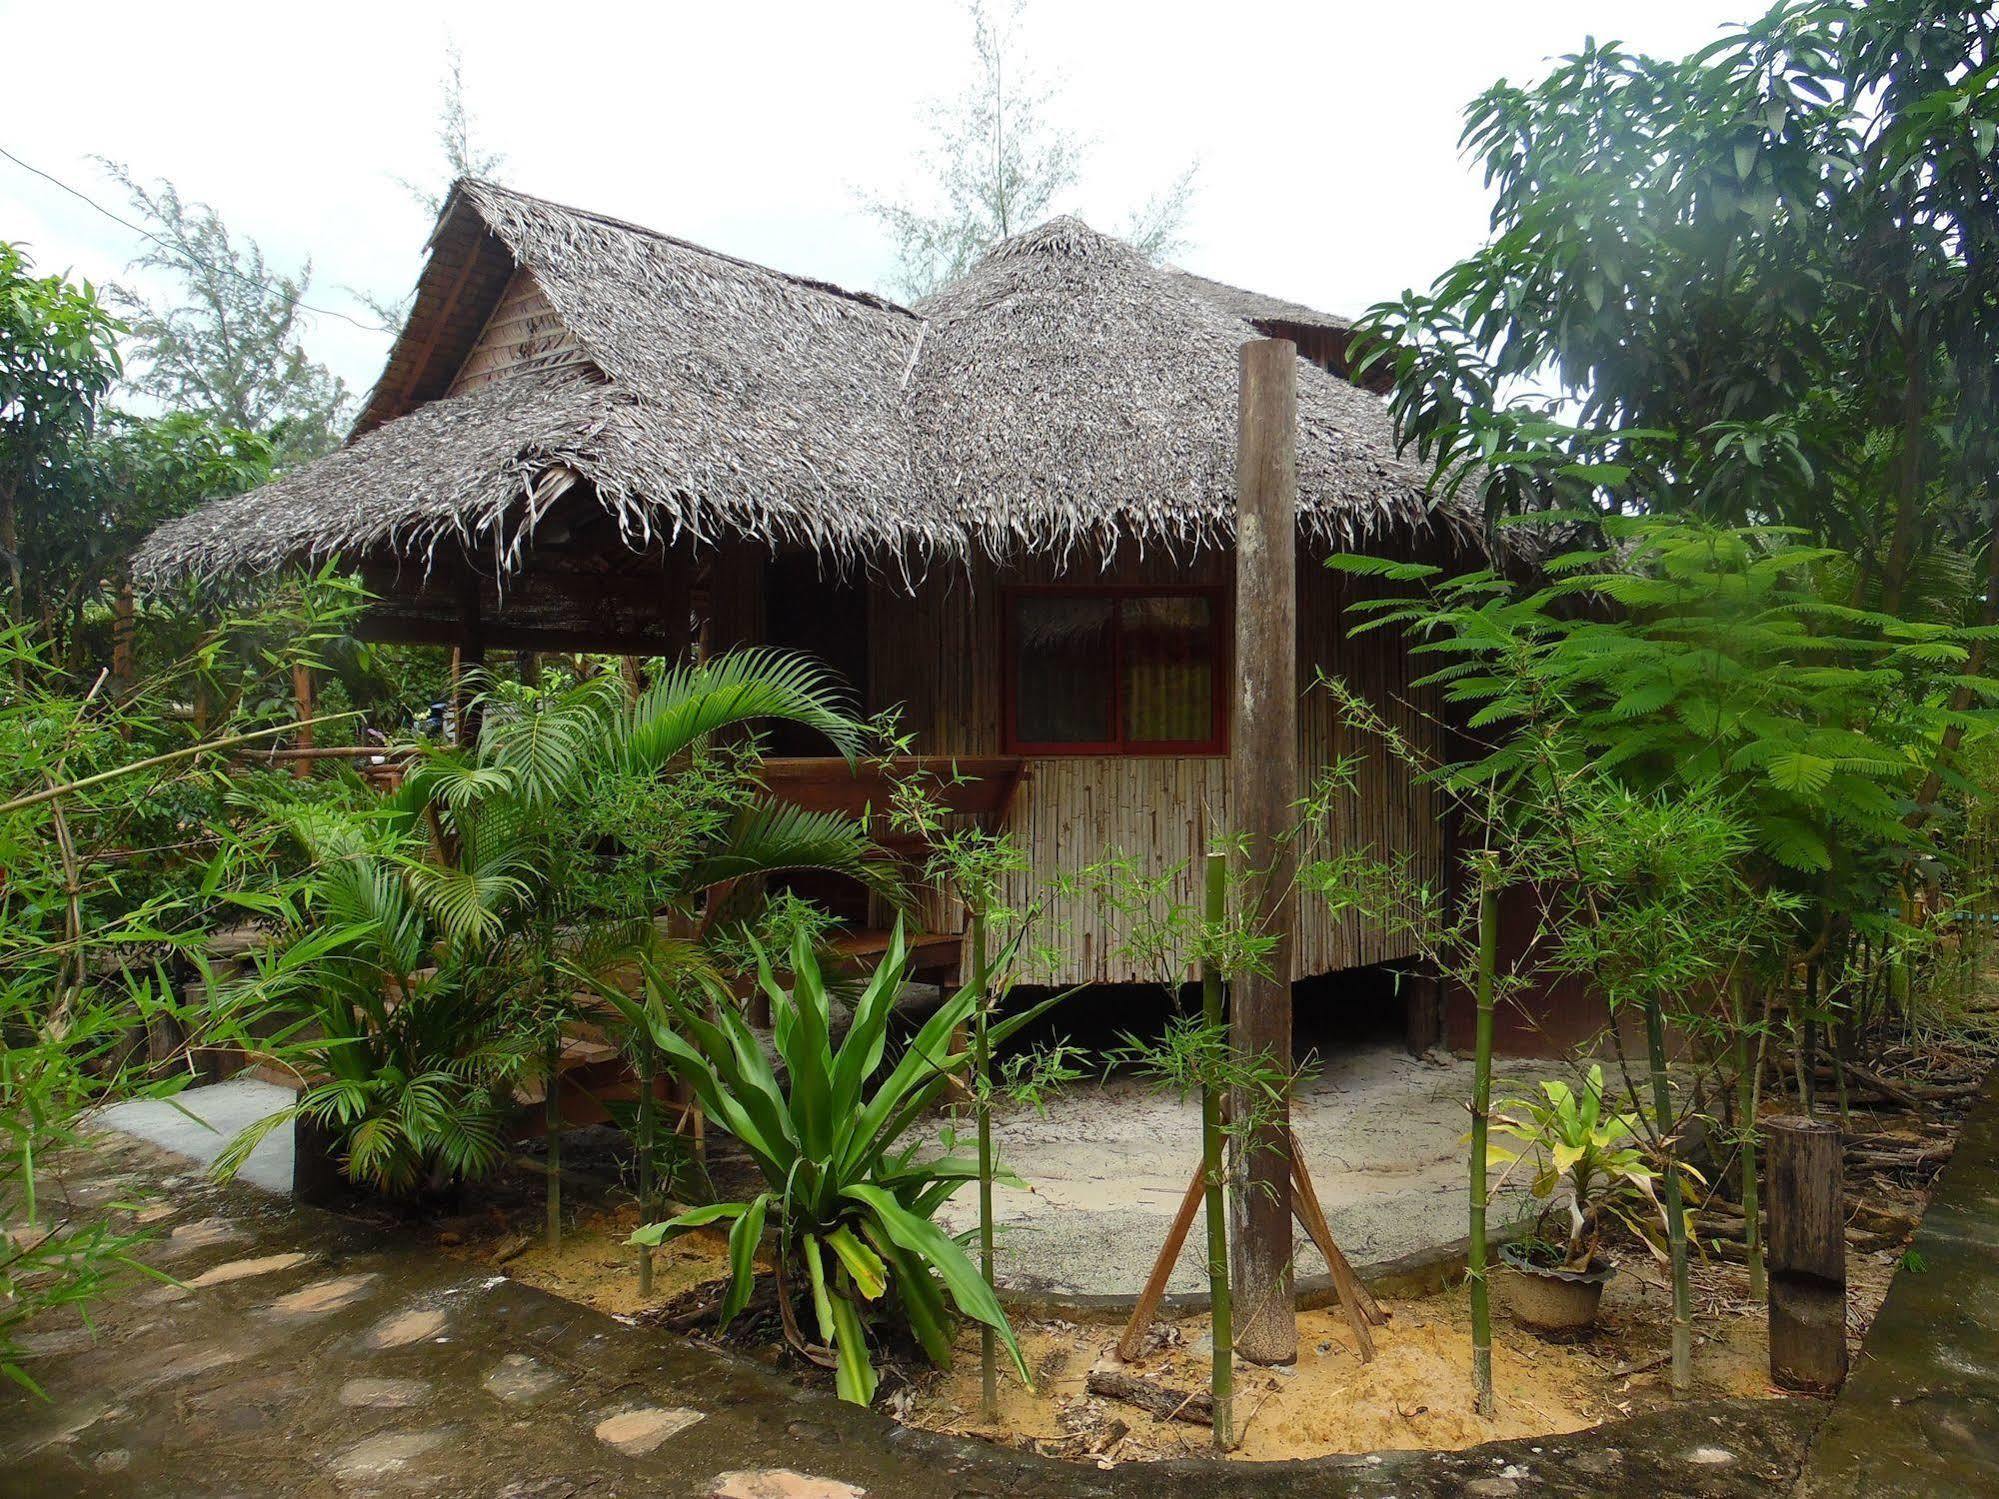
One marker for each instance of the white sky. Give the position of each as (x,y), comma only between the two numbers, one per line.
(1326,133)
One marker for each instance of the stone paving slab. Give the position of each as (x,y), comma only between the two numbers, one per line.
(283,1383)
(1920,1411)
(200,1122)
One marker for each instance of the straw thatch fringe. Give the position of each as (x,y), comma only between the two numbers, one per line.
(1065,395)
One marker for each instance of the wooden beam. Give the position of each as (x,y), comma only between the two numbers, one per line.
(1263,793)
(444,312)
(396,629)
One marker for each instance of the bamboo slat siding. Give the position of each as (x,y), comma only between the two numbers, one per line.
(524,335)
(938,655)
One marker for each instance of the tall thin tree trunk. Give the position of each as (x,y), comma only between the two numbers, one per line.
(981,1068)
(1745,1113)
(10,542)
(1214,1167)
(1481,1110)
(1808,1043)
(1676,1220)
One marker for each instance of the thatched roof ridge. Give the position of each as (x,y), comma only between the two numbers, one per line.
(1254,306)
(1065,391)
(1071,393)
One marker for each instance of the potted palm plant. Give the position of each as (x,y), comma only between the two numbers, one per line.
(1589,1162)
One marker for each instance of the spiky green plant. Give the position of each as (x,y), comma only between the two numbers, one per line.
(849,1197)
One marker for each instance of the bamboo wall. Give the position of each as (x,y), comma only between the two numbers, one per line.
(938,655)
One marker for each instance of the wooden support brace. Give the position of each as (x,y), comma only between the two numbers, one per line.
(1355,1299)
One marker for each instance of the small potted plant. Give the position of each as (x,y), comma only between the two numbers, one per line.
(1590,1161)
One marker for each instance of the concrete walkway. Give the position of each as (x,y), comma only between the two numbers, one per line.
(1920,1411)
(1107,1166)
(304,1354)
(199,1123)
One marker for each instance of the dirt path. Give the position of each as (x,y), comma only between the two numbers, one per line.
(302,1354)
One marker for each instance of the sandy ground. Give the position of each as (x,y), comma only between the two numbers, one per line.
(1107,1166)
(1415,1394)
(594,1264)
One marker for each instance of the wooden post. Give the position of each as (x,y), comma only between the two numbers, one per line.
(302,702)
(471,652)
(1422,1009)
(124,619)
(1806,1197)
(1263,792)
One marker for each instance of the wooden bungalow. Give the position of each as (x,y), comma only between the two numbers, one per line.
(1006,511)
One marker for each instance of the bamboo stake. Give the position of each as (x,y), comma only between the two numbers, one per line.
(1221,1376)
(1676,1218)
(551,1114)
(982,1063)
(1481,1107)
(50,793)
(302,697)
(646,1131)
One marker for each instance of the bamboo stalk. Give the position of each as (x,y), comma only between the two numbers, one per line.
(50,793)
(1221,1361)
(982,1063)
(1481,1109)
(551,1114)
(1676,1221)
(646,1131)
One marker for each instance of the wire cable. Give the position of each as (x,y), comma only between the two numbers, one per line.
(180,251)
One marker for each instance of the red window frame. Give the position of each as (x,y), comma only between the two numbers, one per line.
(1219,672)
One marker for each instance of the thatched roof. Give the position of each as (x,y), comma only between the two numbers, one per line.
(1064,392)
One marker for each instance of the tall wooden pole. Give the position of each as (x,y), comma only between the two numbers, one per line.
(471,653)
(302,706)
(124,626)
(1263,793)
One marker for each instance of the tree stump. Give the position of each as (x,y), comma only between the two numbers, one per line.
(1807,1258)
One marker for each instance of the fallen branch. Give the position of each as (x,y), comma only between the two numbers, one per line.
(1196,1407)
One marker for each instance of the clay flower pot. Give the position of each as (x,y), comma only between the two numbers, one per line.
(1551,1298)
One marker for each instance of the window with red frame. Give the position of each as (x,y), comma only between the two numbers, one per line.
(1114,671)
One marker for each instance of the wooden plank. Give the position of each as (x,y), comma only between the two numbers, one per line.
(1263,771)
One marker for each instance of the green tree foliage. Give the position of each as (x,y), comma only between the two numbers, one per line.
(58,356)
(1756,284)
(1692,654)
(119,846)
(232,347)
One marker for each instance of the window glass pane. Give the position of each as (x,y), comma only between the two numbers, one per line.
(1169,684)
(1062,694)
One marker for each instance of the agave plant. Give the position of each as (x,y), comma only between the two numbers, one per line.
(848,1196)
